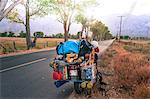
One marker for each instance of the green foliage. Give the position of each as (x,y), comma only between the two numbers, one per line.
(35,10)
(72,36)
(81,18)
(38,34)
(3,34)
(100,31)
(14,16)
(65,10)
(22,34)
(11,34)
(124,37)
(7,34)
(59,35)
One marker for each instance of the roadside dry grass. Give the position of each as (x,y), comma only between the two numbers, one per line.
(126,71)
(137,41)
(20,44)
(141,48)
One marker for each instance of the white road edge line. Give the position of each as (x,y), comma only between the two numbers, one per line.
(14,67)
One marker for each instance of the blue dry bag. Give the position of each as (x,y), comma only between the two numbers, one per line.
(68,47)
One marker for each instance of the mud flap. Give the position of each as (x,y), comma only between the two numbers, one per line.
(60,83)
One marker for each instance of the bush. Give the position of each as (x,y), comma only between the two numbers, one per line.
(11,34)
(142,75)
(22,34)
(3,34)
(38,34)
(142,91)
(130,71)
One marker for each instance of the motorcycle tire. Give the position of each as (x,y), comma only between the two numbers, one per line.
(77,87)
(99,77)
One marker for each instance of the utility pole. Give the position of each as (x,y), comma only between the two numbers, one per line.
(120,27)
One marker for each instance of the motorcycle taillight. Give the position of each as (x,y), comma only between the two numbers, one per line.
(97,49)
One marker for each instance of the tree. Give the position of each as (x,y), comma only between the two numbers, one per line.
(32,8)
(38,34)
(100,31)
(28,36)
(65,10)
(81,18)
(4,10)
(72,36)
(59,35)
(11,34)
(22,34)
(3,34)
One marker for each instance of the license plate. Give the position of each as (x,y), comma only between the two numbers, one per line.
(73,73)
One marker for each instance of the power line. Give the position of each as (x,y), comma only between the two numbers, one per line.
(127,16)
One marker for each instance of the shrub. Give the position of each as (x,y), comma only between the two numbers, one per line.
(142,75)
(142,91)
(130,71)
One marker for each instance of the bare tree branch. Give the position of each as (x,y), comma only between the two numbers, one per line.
(3,4)
(4,12)
(36,11)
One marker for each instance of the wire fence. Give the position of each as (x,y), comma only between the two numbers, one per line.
(14,46)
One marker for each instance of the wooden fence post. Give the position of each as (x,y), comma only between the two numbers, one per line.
(14,45)
(56,43)
(4,49)
(47,43)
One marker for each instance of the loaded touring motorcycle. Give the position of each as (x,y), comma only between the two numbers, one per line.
(76,62)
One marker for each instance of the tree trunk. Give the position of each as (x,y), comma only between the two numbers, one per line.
(81,34)
(28,38)
(65,31)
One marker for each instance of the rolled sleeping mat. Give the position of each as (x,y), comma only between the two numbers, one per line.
(90,85)
(83,84)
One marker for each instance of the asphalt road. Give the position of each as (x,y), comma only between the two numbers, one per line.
(31,80)
(29,76)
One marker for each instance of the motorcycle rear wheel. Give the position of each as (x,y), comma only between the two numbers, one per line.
(77,87)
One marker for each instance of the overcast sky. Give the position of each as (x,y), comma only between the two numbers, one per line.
(103,12)
(136,7)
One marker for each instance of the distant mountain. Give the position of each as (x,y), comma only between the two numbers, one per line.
(46,24)
(132,25)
